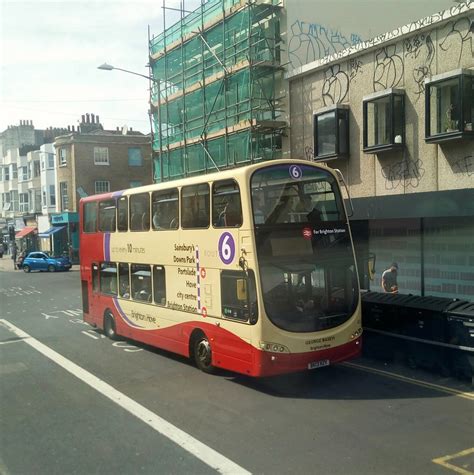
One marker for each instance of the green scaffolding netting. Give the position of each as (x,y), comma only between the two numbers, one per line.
(227,151)
(215,82)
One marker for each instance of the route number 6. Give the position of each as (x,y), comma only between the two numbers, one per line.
(226,248)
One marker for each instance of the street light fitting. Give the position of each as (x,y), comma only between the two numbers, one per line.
(105,67)
(109,67)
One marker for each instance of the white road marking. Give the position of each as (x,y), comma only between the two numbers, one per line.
(90,334)
(206,454)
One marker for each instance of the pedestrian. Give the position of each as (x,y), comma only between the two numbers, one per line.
(14,255)
(389,279)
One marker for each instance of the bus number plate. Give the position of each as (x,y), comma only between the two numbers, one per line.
(318,364)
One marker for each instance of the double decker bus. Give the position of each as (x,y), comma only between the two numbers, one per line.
(250,269)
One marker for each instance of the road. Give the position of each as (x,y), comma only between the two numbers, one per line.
(72,401)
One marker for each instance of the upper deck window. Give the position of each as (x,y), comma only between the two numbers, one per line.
(449,101)
(122,214)
(90,217)
(384,121)
(140,212)
(226,205)
(165,209)
(195,206)
(277,198)
(107,216)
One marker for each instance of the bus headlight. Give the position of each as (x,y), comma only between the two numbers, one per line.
(273,347)
(356,334)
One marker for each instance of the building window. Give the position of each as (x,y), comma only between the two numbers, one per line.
(449,102)
(50,160)
(14,171)
(24,202)
(135,183)
(36,168)
(331,132)
(23,174)
(62,157)
(384,121)
(44,196)
(52,195)
(64,196)
(102,186)
(101,156)
(135,158)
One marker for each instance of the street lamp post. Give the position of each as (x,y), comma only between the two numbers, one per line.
(109,67)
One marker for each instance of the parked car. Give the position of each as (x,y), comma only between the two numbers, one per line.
(43,261)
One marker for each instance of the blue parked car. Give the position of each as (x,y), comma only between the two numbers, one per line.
(43,261)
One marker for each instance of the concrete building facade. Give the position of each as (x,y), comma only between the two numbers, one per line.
(403,102)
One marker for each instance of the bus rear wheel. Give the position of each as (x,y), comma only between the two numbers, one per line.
(202,353)
(109,326)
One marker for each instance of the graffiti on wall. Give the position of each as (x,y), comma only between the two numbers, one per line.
(465,165)
(462,31)
(420,48)
(311,41)
(404,173)
(390,35)
(389,68)
(355,67)
(335,86)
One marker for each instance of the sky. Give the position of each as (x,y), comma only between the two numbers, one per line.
(50,50)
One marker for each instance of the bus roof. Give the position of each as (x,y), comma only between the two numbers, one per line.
(239,172)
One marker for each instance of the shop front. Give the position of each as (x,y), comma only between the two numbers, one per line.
(64,234)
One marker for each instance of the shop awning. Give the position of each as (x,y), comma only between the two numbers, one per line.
(50,231)
(25,231)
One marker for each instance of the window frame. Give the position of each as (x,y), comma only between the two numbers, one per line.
(102,207)
(62,155)
(98,159)
(131,159)
(89,204)
(170,191)
(131,198)
(120,228)
(184,200)
(101,182)
(341,112)
(462,75)
(392,144)
(215,219)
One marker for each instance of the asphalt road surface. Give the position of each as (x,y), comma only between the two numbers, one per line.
(72,401)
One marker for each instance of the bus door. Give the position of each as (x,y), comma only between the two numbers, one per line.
(239,309)
(94,294)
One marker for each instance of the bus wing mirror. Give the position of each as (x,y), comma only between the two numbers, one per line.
(241,287)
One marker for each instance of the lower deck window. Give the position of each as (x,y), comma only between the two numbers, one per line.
(159,285)
(108,278)
(141,282)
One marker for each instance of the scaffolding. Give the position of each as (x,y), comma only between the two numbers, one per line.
(214,99)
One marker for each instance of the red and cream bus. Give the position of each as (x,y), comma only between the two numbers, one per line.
(250,269)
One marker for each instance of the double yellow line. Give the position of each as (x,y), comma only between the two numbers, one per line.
(417,382)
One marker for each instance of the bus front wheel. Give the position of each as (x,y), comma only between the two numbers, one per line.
(202,353)
(109,326)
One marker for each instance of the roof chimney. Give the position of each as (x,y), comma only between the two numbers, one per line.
(93,118)
(88,118)
(97,119)
(83,119)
